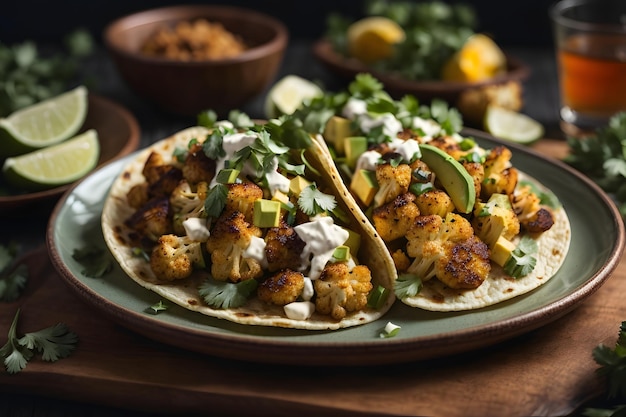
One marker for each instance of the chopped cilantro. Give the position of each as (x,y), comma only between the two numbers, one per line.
(12,279)
(312,201)
(95,261)
(157,308)
(523,259)
(216,200)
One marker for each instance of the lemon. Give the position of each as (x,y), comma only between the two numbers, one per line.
(373,38)
(511,125)
(288,94)
(43,124)
(55,165)
(479,59)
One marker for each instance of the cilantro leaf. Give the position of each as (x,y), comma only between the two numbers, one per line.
(216,200)
(523,259)
(220,294)
(157,308)
(312,201)
(407,285)
(12,284)
(613,364)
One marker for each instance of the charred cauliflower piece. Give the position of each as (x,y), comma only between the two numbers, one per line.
(229,239)
(241,198)
(283,248)
(174,257)
(137,196)
(340,290)
(447,248)
(477,172)
(434,202)
(495,219)
(533,216)
(152,220)
(198,167)
(186,203)
(393,219)
(281,289)
(161,177)
(500,176)
(392,182)
(449,145)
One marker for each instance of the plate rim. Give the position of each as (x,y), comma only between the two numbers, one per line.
(361,353)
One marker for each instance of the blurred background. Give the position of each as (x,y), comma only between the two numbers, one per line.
(518,23)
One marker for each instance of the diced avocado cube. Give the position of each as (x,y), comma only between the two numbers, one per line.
(353,242)
(227,176)
(354,146)
(336,130)
(266,213)
(297,184)
(364,186)
(281,197)
(341,253)
(502,250)
(500,200)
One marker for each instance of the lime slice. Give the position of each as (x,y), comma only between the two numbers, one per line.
(511,125)
(55,165)
(373,38)
(43,124)
(479,59)
(288,94)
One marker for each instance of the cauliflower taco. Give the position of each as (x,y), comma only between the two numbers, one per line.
(465,228)
(243,222)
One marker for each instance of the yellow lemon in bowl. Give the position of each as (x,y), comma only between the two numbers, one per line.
(373,38)
(479,59)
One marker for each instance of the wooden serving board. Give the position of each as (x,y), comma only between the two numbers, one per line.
(549,371)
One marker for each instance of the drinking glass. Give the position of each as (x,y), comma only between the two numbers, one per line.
(590,40)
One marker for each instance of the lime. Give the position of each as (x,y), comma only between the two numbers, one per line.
(373,38)
(288,94)
(511,125)
(43,124)
(479,59)
(55,165)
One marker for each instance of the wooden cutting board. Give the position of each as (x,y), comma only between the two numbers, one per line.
(549,371)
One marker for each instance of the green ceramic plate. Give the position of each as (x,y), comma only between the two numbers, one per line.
(597,244)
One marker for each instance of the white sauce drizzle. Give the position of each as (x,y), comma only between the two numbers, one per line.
(321,237)
(299,310)
(196,228)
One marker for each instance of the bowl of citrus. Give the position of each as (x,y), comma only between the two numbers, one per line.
(51,144)
(427,49)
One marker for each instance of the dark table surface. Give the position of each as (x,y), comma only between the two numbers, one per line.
(541,103)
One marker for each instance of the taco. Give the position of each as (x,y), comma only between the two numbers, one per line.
(231,222)
(465,228)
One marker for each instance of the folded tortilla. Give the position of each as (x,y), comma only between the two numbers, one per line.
(185,292)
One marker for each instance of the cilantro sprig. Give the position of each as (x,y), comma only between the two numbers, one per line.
(54,343)
(13,278)
(523,258)
(220,294)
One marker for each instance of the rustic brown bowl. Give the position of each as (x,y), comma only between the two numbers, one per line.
(187,88)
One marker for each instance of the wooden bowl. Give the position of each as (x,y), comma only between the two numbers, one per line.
(189,87)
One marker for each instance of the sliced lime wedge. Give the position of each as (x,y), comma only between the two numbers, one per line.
(55,165)
(43,124)
(288,94)
(512,126)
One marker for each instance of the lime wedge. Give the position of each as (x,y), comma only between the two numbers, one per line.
(373,38)
(55,165)
(513,126)
(288,94)
(43,124)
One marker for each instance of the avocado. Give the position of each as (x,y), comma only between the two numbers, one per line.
(353,242)
(354,147)
(457,182)
(341,253)
(364,185)
(227,176)
(336,130)
(297,184)
(281,197)
(502,251)
(266,213)
(500,200)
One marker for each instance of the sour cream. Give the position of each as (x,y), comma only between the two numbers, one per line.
(256,251)
(231,143)
(196,228)
(299,310)
(321,236)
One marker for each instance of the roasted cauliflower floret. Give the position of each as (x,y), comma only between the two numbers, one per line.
(477,172)
(392,181)
(241,198)
(400,260)
(281,289)
(198,167)
(449,145)
(186,203)
(283,248)
(494,219)
(152,220)
(500,176)
(340,290)
(230,237)
(533,216)
(434,202)
(447,249)
(174,257)
(161,177)
(137,196)
(392,219)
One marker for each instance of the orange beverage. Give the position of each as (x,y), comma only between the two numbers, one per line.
(593,74)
